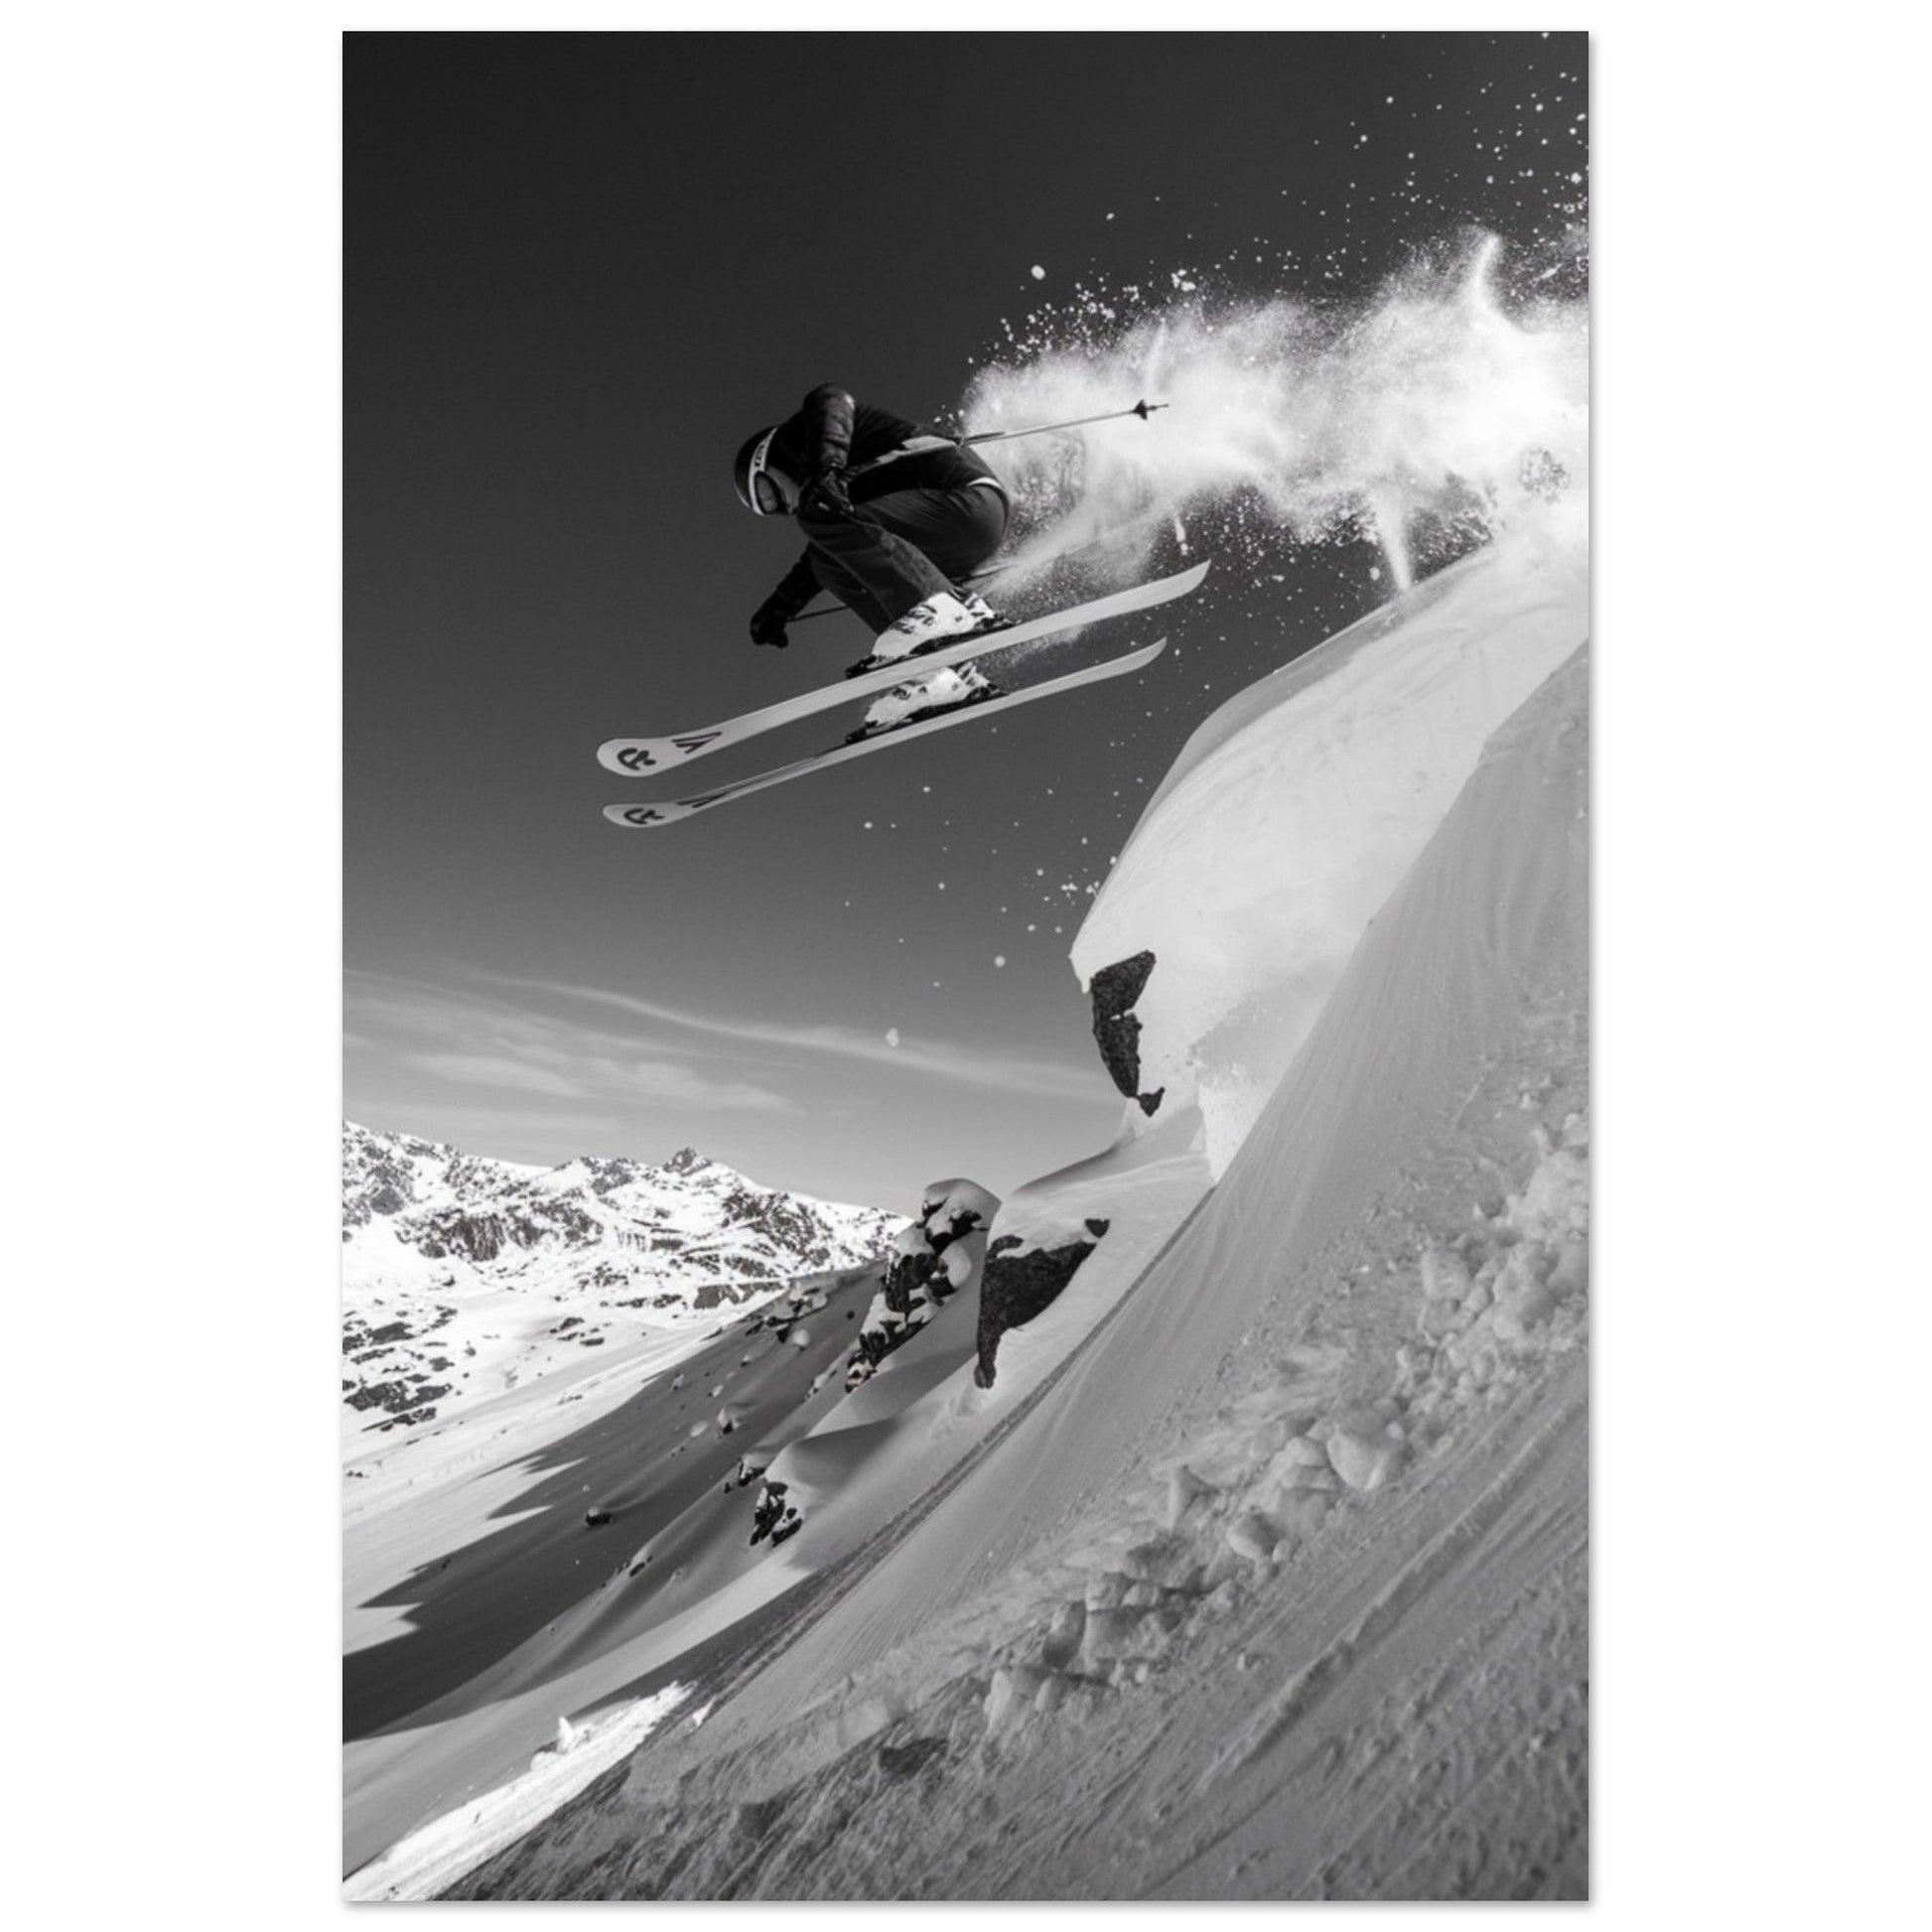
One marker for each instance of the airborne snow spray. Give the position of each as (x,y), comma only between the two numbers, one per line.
(1437,405)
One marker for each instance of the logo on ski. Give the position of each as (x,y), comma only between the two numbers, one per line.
(641,757)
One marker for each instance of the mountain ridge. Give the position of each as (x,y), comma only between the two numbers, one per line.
(463,1274)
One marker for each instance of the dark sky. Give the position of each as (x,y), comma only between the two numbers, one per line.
(578,269)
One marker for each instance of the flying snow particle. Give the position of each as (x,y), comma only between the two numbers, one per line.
(999,959)
(1039,274)
(891,1035)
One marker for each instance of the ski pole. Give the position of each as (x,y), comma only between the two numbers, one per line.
(1141,409)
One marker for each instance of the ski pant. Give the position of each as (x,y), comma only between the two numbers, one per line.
(904,547)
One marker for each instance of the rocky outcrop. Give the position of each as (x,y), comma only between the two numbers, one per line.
(949,1211)
(478,1237)
(1116,989)
(907,1276)
(1018,1286)
(772,1516)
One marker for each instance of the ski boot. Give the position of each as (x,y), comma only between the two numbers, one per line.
(942,618)
(950,688)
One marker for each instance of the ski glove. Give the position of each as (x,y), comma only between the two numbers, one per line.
(796,589)
(825,495)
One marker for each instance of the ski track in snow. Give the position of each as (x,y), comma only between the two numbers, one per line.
(1259,1570)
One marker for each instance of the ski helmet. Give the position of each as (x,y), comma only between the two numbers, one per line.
(757,485)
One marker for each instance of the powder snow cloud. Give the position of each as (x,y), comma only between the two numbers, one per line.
(1457,385)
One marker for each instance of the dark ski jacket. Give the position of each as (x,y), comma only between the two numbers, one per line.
(879,451)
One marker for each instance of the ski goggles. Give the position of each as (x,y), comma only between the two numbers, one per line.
(761,487)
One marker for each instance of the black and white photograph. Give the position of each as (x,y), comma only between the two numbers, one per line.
(966,1188)
(1142,1132)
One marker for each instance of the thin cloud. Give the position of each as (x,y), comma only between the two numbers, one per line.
(597,1078)
(460,1038)
(491,1070)
(939,1059)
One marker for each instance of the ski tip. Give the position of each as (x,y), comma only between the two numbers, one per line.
(644,817)
(630,758)
(645,757)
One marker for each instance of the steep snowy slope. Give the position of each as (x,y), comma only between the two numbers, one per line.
(503,1517)
(1279,1587)
(1250,1508)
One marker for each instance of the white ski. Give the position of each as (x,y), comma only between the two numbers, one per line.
(669,811)
(643,757)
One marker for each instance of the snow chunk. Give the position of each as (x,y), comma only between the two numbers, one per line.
(1013,1688)
(1301,1513)
(962,1259)
(1185,1489)
(1364,1459)
(1252,1535)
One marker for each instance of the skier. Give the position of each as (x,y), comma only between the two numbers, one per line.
(895,519)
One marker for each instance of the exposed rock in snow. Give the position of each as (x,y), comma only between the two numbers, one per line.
(772,1516)
(950,1208)
(1116,1031)
(1020,1283)
(909,1272)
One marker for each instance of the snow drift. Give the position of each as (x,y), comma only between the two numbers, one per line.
(1293,812)
(1246,1557)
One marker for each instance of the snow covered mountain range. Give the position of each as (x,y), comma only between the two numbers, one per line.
(462,1276)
